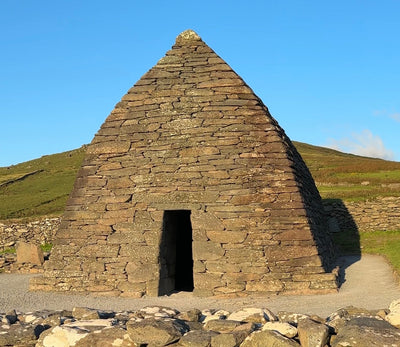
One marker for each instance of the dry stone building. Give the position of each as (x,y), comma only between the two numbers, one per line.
(190,184)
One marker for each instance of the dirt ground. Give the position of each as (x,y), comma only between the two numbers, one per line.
(367,283)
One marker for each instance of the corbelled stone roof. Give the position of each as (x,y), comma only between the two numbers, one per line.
(191,135)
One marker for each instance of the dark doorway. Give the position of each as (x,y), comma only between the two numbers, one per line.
(176,259)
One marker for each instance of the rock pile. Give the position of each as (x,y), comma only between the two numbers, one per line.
(39,231)
(29,258)
(161,326)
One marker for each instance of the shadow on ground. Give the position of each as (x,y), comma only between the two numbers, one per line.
(345,234)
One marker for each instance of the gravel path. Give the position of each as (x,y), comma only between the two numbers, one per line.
(368,283)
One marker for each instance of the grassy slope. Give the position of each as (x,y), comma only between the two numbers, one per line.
(349,177)
(38,187)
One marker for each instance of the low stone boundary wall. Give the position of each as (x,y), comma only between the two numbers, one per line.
(371,215)
(38,232)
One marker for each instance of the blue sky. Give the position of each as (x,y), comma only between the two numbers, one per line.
(327,70)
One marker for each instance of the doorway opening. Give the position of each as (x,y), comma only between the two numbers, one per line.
(176,257)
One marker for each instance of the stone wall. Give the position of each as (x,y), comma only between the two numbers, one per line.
(39,232)
(379,214)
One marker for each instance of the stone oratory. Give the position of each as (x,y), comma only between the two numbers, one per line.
(191,185)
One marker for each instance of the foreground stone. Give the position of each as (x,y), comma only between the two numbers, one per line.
(161,326)
(29,253)
(155,332)
(394,316)
(312,334)
(367,332)
(268,338)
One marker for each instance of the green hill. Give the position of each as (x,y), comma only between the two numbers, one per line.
(350,177)
(38,187)
(41,186)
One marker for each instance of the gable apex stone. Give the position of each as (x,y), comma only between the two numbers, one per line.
(187,35)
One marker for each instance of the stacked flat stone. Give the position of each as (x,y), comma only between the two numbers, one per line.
(191,135)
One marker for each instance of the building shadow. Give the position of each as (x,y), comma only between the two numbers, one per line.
(345,236)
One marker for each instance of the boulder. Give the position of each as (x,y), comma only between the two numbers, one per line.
(61,336)
(251,314)
(312,333)
(291,317)
(208,315)
(268,338)
(221,325)
(155,332)
(395,306)
(235,337)
(339,318)
(393,317)
(366,331)
(190,316)
(107,337)
(20,334)
(85,313)
(284,329)
(29,253)
(158,312)
(197,338)
(225,340)
(91,324)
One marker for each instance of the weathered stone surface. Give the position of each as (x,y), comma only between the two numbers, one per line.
(61,337)
(339,318)
(394,315)
(312,334)
(29,253)
(367,332)
(284,329)
(226,340)
(221,325)
(234,338)
(190,316)
(250,314)
(207,315)
(85,313)
(20,334)
(197,338)
(207,250)
(155,332)
(158,312)
(108,337)
(291,317)
(268,338)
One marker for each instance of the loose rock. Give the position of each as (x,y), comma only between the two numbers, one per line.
(284,329)
(367,332)
(312,334)
(268,338)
